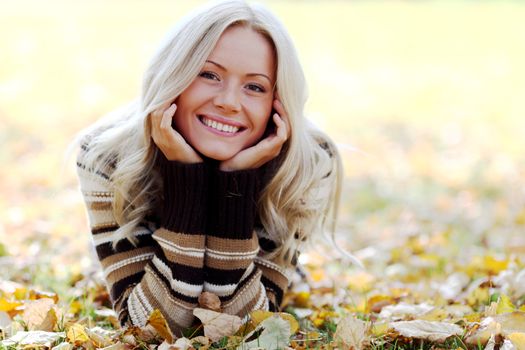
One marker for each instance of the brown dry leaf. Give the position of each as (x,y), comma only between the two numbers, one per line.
(159,323)
(217,325)
(40,315)
(209,301)
(117,346)
(76,334)
(100,337)
(428,330)
(351,332)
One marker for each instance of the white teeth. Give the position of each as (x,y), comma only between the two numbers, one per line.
(220,126)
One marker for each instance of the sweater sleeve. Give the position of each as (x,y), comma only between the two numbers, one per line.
(234,271)
(164,268)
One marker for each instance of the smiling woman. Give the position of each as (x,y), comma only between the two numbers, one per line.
(211,182)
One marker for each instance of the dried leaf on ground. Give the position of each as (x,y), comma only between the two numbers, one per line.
(76,334)
(40,315)
(33,338)
(258,316)
(217,325)
(428,330)
(159,323)
(275,334)
(351,332)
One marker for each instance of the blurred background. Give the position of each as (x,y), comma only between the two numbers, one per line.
(424,98)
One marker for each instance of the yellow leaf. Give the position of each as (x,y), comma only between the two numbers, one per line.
(77,335)
(302,299)
(478,296)
(379,329)
(518,340)
(157,321)
(473,317)
(75,307)
(258,316)
(6,305)
(377,302)
(504,305)
(495,266)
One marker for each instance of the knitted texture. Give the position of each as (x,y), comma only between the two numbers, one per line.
(204,240)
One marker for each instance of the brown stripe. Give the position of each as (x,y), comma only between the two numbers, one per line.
(100,206)
(181,239)
(126,271)
(117,257)
(179,314)
(228,264)
(274,276)
(232,245)
(184,259)
(245,298)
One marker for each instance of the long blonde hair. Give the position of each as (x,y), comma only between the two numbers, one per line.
(293,205)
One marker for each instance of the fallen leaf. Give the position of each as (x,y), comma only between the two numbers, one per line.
(258,316)
(180,344)
(351,332)
(76,334)
(504,305)
(217,325)
(40,315)
(402,310)
(518,340)
(63,346)
(100,337)
(33,338)
(428,330)
(275,334)
(209,301)
(159,323)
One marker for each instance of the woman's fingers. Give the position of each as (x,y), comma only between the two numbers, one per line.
(167,117)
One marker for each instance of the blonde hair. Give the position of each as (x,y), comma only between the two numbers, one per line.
(292,205)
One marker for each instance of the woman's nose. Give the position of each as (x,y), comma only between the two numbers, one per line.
(228,99)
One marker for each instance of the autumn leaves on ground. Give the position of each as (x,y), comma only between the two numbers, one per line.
(428,119)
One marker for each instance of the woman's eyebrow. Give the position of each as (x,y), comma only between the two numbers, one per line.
(249,74)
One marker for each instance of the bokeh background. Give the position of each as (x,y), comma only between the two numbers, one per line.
(424,98)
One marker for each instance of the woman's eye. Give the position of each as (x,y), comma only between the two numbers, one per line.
(209,75)
(256,88)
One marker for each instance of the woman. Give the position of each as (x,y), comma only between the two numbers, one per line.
(213,179)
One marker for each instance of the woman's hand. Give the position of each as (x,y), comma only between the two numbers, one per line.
(167,139)
(266,149)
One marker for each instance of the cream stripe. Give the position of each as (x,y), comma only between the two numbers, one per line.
(273,266)
(220,290)
(188,289)
(136,310)
(125,262)
(219,253)
(145,301)
(262,302)
(175,248)
(107,237)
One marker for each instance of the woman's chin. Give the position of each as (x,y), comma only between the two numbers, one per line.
(219,155)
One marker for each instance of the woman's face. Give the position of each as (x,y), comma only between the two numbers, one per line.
(227,107)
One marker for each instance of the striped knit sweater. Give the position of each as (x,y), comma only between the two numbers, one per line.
(203,241)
